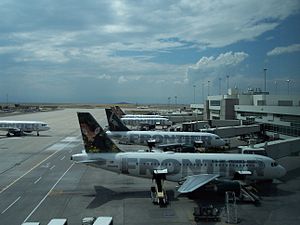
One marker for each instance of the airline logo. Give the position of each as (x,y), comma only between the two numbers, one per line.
(94,137)
(183,166)
(164,138)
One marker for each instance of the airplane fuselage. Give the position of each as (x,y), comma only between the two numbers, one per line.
(23,126)
(181,165)
(142,116)
(134,121)
(165,137)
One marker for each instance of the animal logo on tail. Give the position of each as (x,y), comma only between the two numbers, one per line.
(94,137)
(114,122)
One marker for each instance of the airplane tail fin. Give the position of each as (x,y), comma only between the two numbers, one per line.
(119,111)
(114,122)
(94,137)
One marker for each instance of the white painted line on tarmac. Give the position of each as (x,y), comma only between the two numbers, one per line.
(63,158)
(11,205)
(52,167)
(35,182)
(8,186)
(38,205)
(72,139)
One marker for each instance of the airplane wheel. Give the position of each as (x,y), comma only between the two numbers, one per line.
(8,135)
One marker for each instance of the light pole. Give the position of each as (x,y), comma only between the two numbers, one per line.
(227,82)
(220,79)
(203,92)
(265,78)
(288,86)
(208,87)
(169,102)
(194,93)
(175,101)
(276,85)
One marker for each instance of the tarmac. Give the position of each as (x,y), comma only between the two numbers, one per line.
(38,182)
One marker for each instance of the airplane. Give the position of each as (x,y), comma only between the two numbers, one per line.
(191,170)
(18,128)
(121,113)
(118,130)
(135,120)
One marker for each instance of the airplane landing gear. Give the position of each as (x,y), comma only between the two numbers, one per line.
(158,193)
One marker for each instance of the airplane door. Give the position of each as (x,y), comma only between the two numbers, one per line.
(124,165)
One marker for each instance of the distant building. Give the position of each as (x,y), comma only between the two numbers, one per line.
(278,113)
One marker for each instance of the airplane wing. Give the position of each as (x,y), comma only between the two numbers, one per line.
(194,182)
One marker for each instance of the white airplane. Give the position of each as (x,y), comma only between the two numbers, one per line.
(135,120)
(191,170)
(118,130)
(18,128)
(121,113)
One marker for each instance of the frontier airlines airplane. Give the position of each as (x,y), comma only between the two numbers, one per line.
(118,130)
(191,170)
(136,120)
(18,128)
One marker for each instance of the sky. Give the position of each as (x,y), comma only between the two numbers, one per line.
(140,51)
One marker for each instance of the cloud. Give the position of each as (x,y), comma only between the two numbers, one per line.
(144,25)
(227,59)
(122,79)
(284,50)
(130,42)
(104,77)
(211,67)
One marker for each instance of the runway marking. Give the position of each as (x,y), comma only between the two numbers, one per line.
(72,139)
(70,151)
(11,205)
(63,158)
(38,205)
(52,167)
(12,183)
(46,165)
(35,182)
(57,150)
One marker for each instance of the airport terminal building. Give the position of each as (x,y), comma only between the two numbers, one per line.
(279,114)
